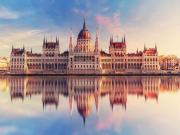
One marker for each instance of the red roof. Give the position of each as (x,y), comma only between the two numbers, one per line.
(33,54)
(118,44)
(150,51)
(84,34)
(151,95)
(135,54)
(18,51)
(51,45)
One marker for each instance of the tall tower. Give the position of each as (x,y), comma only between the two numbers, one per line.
(97,43)
(44,42)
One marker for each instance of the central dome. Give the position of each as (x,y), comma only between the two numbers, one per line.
(84,33)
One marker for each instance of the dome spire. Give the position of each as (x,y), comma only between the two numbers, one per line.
(84,33)
(84,25)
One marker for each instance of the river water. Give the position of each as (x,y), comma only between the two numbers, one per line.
(89,105)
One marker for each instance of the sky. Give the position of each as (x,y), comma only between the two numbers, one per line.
(149,22)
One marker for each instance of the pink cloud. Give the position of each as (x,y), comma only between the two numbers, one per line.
(111,24)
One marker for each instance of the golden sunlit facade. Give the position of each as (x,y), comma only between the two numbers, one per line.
(4,64)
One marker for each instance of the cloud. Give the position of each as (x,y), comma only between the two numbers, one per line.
(15,35)
(111,24)
(8,14)
(81,12)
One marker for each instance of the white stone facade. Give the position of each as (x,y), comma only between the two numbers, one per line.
(84,58)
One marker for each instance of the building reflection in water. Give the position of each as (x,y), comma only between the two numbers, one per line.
(85,92)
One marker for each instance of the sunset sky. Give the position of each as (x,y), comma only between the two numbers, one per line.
(142,21)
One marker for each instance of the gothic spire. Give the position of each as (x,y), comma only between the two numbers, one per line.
(44,40)
(155,46)
(71,42)
(124,39)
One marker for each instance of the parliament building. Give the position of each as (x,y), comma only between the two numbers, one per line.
(84,57)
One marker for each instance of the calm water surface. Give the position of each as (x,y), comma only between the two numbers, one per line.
(89,105)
